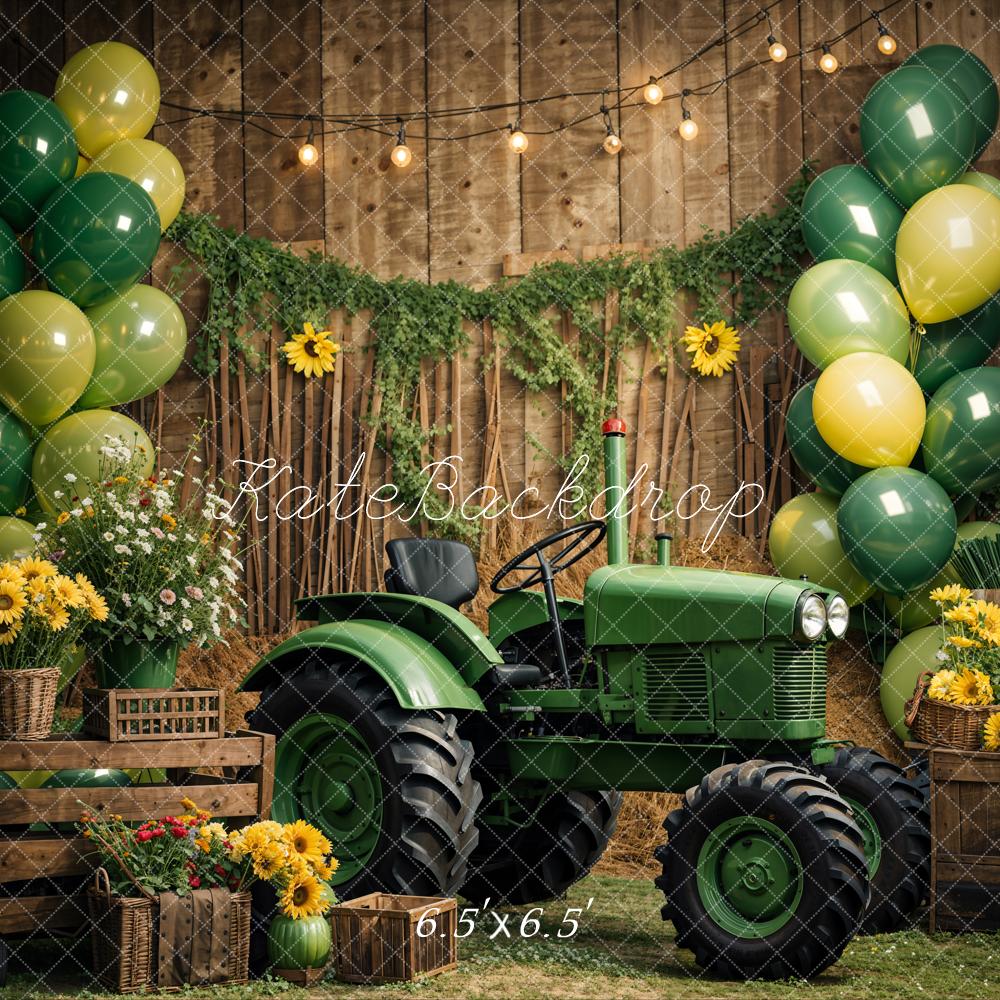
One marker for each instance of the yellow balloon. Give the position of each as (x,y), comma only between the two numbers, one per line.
(153,167)
(81,165)
(869,409)
(946,252)
(109,92)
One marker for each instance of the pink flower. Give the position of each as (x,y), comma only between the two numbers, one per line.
(195,593)
(168,596)
(159,534)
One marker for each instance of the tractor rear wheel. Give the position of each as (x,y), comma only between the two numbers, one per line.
(392,788)
(540,858)
(764,872)
(892,813)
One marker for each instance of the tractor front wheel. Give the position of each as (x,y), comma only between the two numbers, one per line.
(391,788)
(764,872)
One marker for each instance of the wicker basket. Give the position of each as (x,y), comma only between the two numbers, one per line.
(28,703)
(122,938)
(939,724)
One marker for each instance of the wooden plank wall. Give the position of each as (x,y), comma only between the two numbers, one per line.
(473,211)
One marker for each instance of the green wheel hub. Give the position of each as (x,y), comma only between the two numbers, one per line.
(749,877)
(325,774)
(869,834)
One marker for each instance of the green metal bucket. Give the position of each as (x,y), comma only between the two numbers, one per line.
(122,664)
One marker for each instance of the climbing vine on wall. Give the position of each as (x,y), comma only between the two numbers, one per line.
(255,285)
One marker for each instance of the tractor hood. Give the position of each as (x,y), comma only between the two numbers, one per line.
(637,605)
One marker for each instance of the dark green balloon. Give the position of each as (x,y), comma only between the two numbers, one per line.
(961,442)
(822,465)
(897,527)
(96,237)
(15,462)
(78,777)
(972,77)
(847,213)
(916,132)
(956,345)
(37,153)
(11,262)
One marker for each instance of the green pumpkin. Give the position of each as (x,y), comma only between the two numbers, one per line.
(299,944)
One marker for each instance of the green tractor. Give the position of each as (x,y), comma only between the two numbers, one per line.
(441,760)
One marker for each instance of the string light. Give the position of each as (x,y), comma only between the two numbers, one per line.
(828,62)
(612,142)
(518,141)
(777,51)
(886,43)
(652,93)
(401,154)
(308,153)
(688,127)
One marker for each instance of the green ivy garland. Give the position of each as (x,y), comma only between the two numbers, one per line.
(255,285)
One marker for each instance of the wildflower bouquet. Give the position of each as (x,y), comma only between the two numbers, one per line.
(165,564)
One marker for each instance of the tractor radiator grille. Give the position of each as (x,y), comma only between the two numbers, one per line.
(675,686)
(800,681)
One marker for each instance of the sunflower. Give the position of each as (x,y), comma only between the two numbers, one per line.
(940,686)
(268,860)
(8,632)
(96,605)
(715,348)
(9,571)
(303,897)
(991,732)
(55,615)
(964,614)
(971,687)
(963,642)
(12,601)
(306,841)
(33,568)
(311,352)
(37,589)
(66,592)
(951,594)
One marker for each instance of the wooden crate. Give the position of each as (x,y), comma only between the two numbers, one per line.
(124,714)
(243,791)
(965,832)
(375,938)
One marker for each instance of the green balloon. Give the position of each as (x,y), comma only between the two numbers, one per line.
(898,528)
(831,472)
(15,462)
(972,77)
(803,542)
(840,307)
(961,442)
(909,658)
(96,237)
(141,338)
(11,262)
(916,132)
(985,182)
(16,538)
(956,345)
(73,446)
(37,153)
(847,213)
(79,777)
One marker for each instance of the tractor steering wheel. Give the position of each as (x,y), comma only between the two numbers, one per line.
(580,539)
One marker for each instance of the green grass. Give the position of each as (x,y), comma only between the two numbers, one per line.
(622,949)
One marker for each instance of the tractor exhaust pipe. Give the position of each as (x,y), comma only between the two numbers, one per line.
(614,490)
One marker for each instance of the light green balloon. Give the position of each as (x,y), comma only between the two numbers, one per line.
(914,654)
(16,538)
(985,182)
(73,446)
(841,307)
(140,338)
(803,542)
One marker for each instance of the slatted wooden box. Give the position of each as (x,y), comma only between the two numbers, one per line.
(124,714)
(384,938)
(965,831)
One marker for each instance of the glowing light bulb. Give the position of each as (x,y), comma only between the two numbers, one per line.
(612,144)
(401,155)
(886,43)
(518,141)
(688,127)
(828,62)
(776,50)
(652,93)
(308,154)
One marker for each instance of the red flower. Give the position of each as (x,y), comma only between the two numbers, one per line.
(144,501)
(159,832)
(143,836)
(179,831)
(194,881)
(220,871)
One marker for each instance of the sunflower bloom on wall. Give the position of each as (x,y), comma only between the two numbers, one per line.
(310,352)
(714,348)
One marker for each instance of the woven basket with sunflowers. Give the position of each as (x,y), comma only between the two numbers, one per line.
(956,704)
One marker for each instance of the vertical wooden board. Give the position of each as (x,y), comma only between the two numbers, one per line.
(570,186)
(33,61)
(128,21)
(474,186)
(373,62)
(282,72)
(652,191)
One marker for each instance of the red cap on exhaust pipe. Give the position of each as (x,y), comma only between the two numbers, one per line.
(613,425)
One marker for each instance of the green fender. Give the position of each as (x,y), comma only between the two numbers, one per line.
(418,674)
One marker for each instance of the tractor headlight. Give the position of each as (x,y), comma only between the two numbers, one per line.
(837,616)
(812,617)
